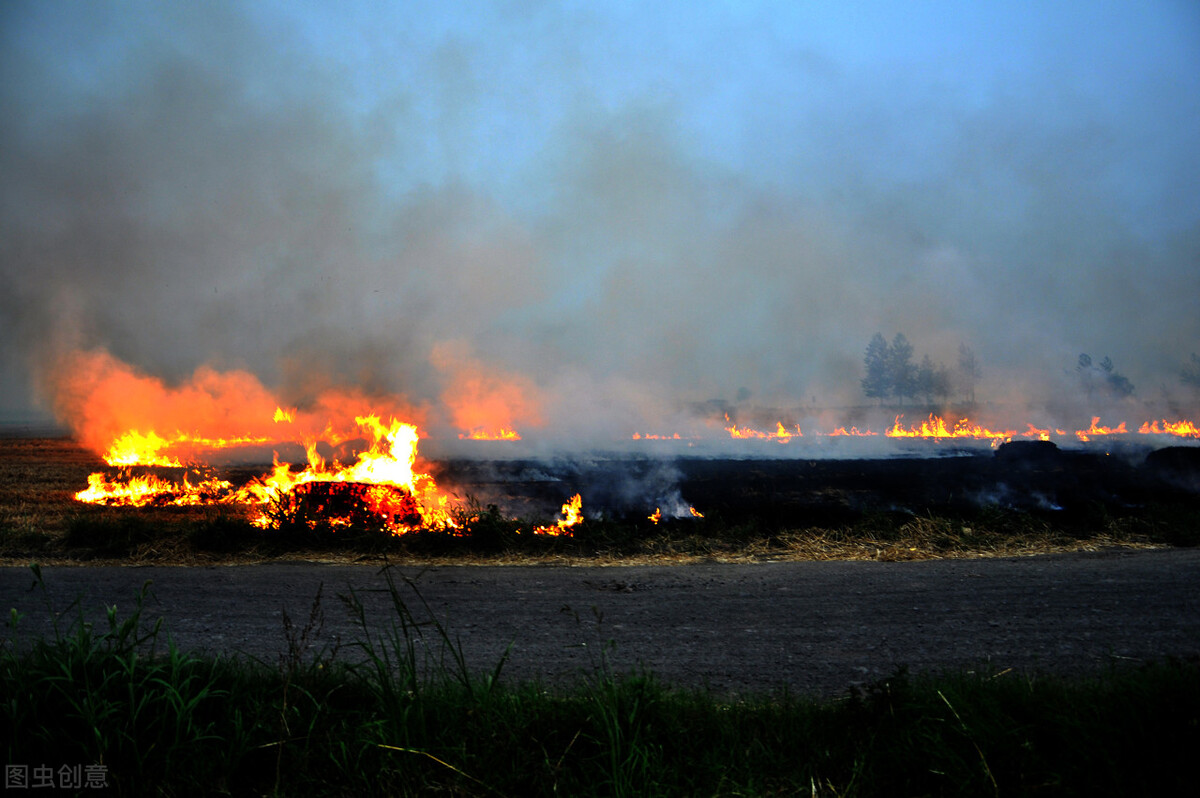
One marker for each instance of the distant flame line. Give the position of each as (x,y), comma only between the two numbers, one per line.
(937,428)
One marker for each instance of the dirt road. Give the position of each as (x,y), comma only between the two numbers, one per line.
(816,627)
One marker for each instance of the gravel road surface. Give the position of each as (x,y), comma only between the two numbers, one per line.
(816,627)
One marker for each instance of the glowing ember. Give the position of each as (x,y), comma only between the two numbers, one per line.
(383,477)
(348,504)
(388,461)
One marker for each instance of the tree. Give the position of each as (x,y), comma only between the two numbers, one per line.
(943,385)
(969,371)
(1117,384)
(1105,377)
(901,372)
(876,384)
(1087,373)
(926,377)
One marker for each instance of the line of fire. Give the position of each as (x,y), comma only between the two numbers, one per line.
(370,475)
(351,461)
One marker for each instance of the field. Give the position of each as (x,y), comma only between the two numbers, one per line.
(401,702)
(753,509)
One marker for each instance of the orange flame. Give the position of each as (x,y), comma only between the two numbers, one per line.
(853,432)
(481,434)
(657,515)
(134,448)
(1034,432)
(1096,430)
(781,432)
(572,514)
(388,461)
(483,399)
(1181,429)
(138,491)
(935,427)
(122,413)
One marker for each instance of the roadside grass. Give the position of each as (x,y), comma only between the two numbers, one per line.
(398,711)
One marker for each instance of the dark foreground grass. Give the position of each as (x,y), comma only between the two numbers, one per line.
(401,713)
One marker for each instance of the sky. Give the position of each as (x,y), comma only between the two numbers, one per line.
(617,209)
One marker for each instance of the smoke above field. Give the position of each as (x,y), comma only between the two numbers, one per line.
(596,222)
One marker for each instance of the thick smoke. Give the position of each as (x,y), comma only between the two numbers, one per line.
(488,213)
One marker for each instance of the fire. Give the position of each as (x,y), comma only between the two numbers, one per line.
(138,491)
(140,422)
(1096,430)
(481,398)
(935,427)
(388,461)
(657,515)
(134,448)
(1182,429)
(572,514)
(159,437)
(853,432)
(482,434)
(385,467)
(1034,432)
(781,432)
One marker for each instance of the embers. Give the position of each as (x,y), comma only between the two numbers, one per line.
(356,505)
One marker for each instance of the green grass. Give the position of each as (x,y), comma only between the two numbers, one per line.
(402,713)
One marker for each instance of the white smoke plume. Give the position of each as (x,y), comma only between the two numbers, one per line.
(622,214)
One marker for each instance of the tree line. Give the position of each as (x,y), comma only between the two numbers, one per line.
(1102,378)
(891,372)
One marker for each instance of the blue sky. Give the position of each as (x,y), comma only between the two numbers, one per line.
(661,203)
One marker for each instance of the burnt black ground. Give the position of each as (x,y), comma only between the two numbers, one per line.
(813,627)
(1063,486)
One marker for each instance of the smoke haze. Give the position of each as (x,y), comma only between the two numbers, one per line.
(590,221)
